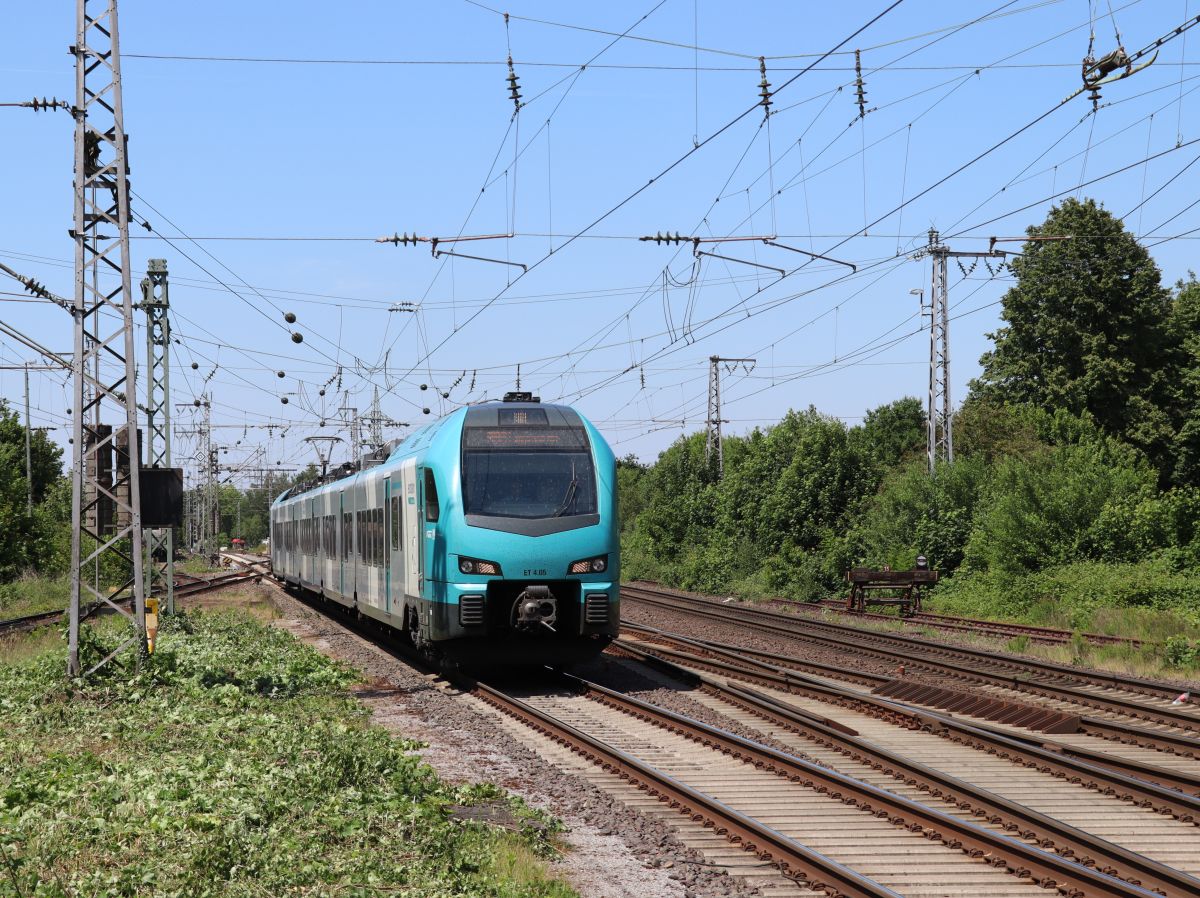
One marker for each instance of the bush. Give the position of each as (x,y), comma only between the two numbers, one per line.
(1148,601)
(1179,651)
(915,514)
(1042,510)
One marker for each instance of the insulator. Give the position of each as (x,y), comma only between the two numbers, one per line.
(471,389)
(859,87)
(54,103)
(764,87)
(514,86)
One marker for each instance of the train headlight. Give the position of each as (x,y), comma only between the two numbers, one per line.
(476,566)
(589,565)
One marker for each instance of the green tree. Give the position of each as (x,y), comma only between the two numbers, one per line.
(1087,329)
(915,514)
(45,456)
(894,431)
(1185,327)
(1056,506)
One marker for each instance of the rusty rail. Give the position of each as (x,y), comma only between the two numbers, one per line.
(793,859)
(33,621)
(1172,791)
(1069,841)
(1046,868)
(843,637)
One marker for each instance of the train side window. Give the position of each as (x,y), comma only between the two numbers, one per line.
(395,523)
(345,535)
(432,509)
(378,515)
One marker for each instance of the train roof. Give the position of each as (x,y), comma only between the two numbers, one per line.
(486,414)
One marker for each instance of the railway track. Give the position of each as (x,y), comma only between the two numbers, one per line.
(194,586)
(1045,635)
(1174,790)
(899,828)
(816,824)
(1123,699)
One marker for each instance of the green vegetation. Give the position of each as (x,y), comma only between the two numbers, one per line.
(31,594)
(235,763)
(1074,498)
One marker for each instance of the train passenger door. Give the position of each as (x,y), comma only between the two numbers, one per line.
(393,551)
(430,513)
(411,530)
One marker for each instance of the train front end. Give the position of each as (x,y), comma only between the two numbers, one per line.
(532,559)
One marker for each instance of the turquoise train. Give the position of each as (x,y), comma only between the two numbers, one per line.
(487,537)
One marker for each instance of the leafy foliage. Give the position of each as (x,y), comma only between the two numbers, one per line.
(1087,329)
(1076,483)
(233,764)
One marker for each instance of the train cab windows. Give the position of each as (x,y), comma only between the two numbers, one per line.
(539,484)
(432,509)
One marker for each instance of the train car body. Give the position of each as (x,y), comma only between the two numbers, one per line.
(490,536)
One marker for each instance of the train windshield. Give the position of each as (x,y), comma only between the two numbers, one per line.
(528,472)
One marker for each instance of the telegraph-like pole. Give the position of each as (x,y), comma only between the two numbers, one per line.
(714,442)
(156,303)
(101,233)
(28,448)
(940,410)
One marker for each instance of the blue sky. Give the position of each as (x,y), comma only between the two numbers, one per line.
(407,126)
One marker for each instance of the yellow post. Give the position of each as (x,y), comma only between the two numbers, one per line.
(151,623)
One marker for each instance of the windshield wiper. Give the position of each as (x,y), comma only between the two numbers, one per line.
(572,487)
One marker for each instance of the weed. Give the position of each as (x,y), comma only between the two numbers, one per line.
(234,762)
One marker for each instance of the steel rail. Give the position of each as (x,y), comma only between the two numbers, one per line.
(1167,790)
(1048,668)
(1069,841)
(1046,868)
(1109,730)
(843,637)
(33,621)
(794,859)
(1048,635)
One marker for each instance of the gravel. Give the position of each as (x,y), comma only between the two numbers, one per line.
(618,852)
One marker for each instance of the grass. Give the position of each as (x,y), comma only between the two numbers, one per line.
(196,564)
(31,594)
(234,763)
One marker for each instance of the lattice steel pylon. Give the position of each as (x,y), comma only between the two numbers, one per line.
(101,234)
(939,414)
(160,542)
(714,443)
(375,423)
